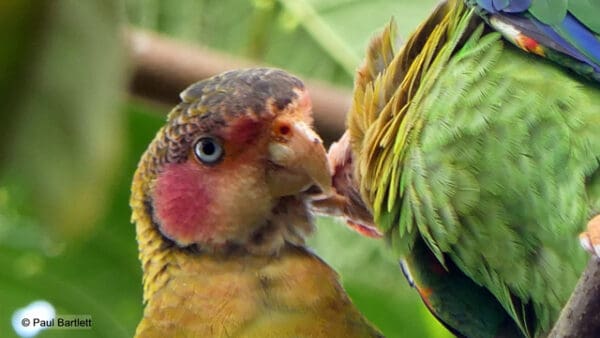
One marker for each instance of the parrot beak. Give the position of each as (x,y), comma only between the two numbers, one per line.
(298,158)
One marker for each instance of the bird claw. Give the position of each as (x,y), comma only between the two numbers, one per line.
(590,239)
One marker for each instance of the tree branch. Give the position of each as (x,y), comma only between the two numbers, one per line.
(163,67)
(580,318)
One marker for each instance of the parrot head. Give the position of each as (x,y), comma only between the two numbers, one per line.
(233,166)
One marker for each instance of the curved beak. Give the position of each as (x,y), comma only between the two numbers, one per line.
(298,159)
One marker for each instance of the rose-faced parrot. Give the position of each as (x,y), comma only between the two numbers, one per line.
(220,203)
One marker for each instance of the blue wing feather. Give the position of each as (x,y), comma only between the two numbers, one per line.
(487,5)
(500,4)
(569,36)
(582,38)
(517,6)
(557,42)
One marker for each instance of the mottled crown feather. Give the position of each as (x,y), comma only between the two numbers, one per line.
(252,87)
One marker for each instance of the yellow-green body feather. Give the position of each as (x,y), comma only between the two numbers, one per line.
(292,295)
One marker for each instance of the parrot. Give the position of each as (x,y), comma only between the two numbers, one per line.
(220,205)
(474,150)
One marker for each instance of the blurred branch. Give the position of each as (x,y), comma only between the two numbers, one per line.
(163,67)
(580,318)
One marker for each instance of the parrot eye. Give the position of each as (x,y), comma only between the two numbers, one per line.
(208,150)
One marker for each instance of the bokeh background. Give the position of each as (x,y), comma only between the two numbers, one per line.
(71,136)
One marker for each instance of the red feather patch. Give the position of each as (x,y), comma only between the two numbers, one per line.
(245,131)
(182,203)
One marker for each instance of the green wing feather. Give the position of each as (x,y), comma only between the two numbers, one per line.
(550,12)
(586,11)
(499,173)
(489,155)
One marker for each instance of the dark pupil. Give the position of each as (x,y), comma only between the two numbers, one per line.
(208,147)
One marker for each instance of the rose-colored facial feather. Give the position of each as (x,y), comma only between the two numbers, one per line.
(182,202)
(193,202)
(245,131)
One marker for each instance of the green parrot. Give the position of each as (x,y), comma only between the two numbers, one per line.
(474,149)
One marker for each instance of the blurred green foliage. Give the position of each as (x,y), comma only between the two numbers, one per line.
(72,139)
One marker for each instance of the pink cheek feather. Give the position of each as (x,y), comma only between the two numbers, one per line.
(182,203)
